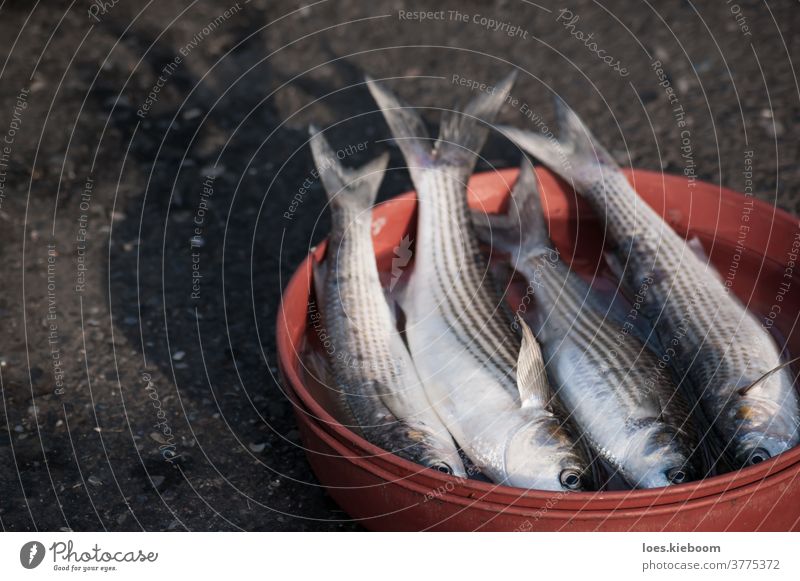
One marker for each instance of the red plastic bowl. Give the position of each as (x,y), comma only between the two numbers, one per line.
(386,492)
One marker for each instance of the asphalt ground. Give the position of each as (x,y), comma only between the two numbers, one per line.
(145,142)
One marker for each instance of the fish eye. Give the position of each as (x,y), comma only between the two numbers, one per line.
(676,476)
(443,467)
(758,456)
(570,479)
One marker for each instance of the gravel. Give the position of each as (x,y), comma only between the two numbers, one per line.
(158,389)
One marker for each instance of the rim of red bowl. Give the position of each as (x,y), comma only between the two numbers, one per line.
(288,332)
(564,511)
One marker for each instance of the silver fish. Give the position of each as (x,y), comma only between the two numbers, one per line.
(486,381)
(377,386)
(609,381)
(732,363)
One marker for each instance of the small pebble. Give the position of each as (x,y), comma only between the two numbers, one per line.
(193,113)
(212,171)
(158,437)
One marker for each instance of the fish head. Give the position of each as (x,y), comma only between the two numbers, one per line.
(434,450)
(542,455)
(760,426)
(657,455)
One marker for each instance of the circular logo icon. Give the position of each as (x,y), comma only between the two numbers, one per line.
(31,554)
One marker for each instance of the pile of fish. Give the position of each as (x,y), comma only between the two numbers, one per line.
(569,395)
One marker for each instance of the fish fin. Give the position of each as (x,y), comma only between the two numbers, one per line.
(400,260)
(746,389)
(318,368)
(526,210)
(357,187)
(696,247)
(400,296)
(461,136)
(712,452)
(613,305)
(713,455)
(531,375)
(391,300)
(615,264)
(318,273)
(617,261)
(658,405)
(407,126)
(522,232)
(577,156)
(496,230)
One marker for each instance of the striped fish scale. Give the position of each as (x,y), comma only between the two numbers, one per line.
(466,349)
(610,381)
(464,291)
(364,344)
(705,331)
(731,363)
(613,386)
(377,388)
(363,365)
(486,381)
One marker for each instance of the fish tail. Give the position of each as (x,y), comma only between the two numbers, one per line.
(461,136)
(522,231)
(354,188)
(577,156)
(526,210)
